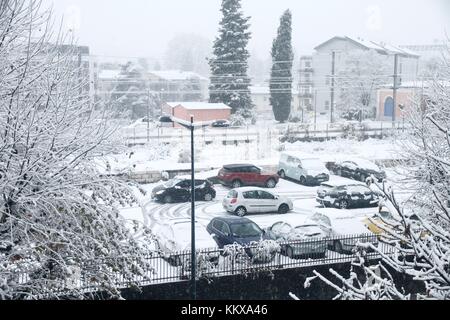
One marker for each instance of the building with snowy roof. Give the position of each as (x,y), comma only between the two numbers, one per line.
(202,111)
(341,47)
(176,85)
(408,93)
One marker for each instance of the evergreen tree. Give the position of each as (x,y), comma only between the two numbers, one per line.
(229,80)
(281,75)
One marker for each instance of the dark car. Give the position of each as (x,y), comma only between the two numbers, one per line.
(179,190)
(230,230)
(358,169)
(345,195)
(239,175)
(221,124)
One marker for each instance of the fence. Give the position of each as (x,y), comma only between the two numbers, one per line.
(265,256)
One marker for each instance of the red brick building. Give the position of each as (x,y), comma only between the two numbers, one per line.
(201,111)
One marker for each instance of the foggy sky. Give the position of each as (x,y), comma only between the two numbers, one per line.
(144,27)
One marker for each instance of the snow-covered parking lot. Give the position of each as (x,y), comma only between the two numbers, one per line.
(303,197)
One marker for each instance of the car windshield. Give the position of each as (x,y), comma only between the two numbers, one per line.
(172,183)
(314,164)
(245,230)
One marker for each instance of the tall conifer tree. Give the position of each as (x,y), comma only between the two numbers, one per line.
(281,75)
(229,80)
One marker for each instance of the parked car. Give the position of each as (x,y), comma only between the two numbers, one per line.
(239,175)
(231,230)
(308,170)
(299,240)
(384,220)
(245,200)
(179,190)
(174,240)
(346,230)
(345,193)
(221,124)
(358,169)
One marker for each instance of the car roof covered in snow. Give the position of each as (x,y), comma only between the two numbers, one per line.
(336,181)
(363,163)
(234,166)
(234,219)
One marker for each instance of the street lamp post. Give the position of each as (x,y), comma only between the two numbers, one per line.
(191,126)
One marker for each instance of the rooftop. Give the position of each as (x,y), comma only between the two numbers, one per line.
(383,48)
(199,105)
(177,75)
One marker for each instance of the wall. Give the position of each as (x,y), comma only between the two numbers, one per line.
(262,286)
(201,115)
(404,97)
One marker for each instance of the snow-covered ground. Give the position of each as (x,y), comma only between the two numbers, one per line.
(163,157)
(303,197)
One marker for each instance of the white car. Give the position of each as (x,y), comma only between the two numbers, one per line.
(245,200)
(174,239)
(345,228)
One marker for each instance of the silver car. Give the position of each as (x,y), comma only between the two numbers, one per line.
(241,201)
(302,241)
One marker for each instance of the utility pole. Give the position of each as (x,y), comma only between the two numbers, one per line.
(394,96)
(148,112)
(193,253)
(333,71)
(315,110)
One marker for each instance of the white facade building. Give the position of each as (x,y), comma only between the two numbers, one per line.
(322,62)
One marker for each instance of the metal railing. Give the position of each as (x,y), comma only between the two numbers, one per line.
(265,256)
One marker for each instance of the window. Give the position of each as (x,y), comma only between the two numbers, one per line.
(254,170)
(265,195)
(307,64)
(184,184)
(251,195)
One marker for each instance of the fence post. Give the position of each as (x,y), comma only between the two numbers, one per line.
(327,131)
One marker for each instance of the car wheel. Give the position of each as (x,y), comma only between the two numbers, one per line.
(241,211)
(284,208)
(271,183)
(282,174)
(168,199)
(290,252)
(208,197)
(343,204)
(338,247)
(303,181)
(236,184)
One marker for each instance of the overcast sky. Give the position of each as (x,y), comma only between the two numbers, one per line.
(143,27)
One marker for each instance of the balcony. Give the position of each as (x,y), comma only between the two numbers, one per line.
(307,70)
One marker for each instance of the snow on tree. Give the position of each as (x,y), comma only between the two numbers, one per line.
(229,79)
(281,75)
(59,220)
(130,97)
(419,233)
(361,74)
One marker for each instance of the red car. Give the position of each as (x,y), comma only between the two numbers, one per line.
(238,175)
